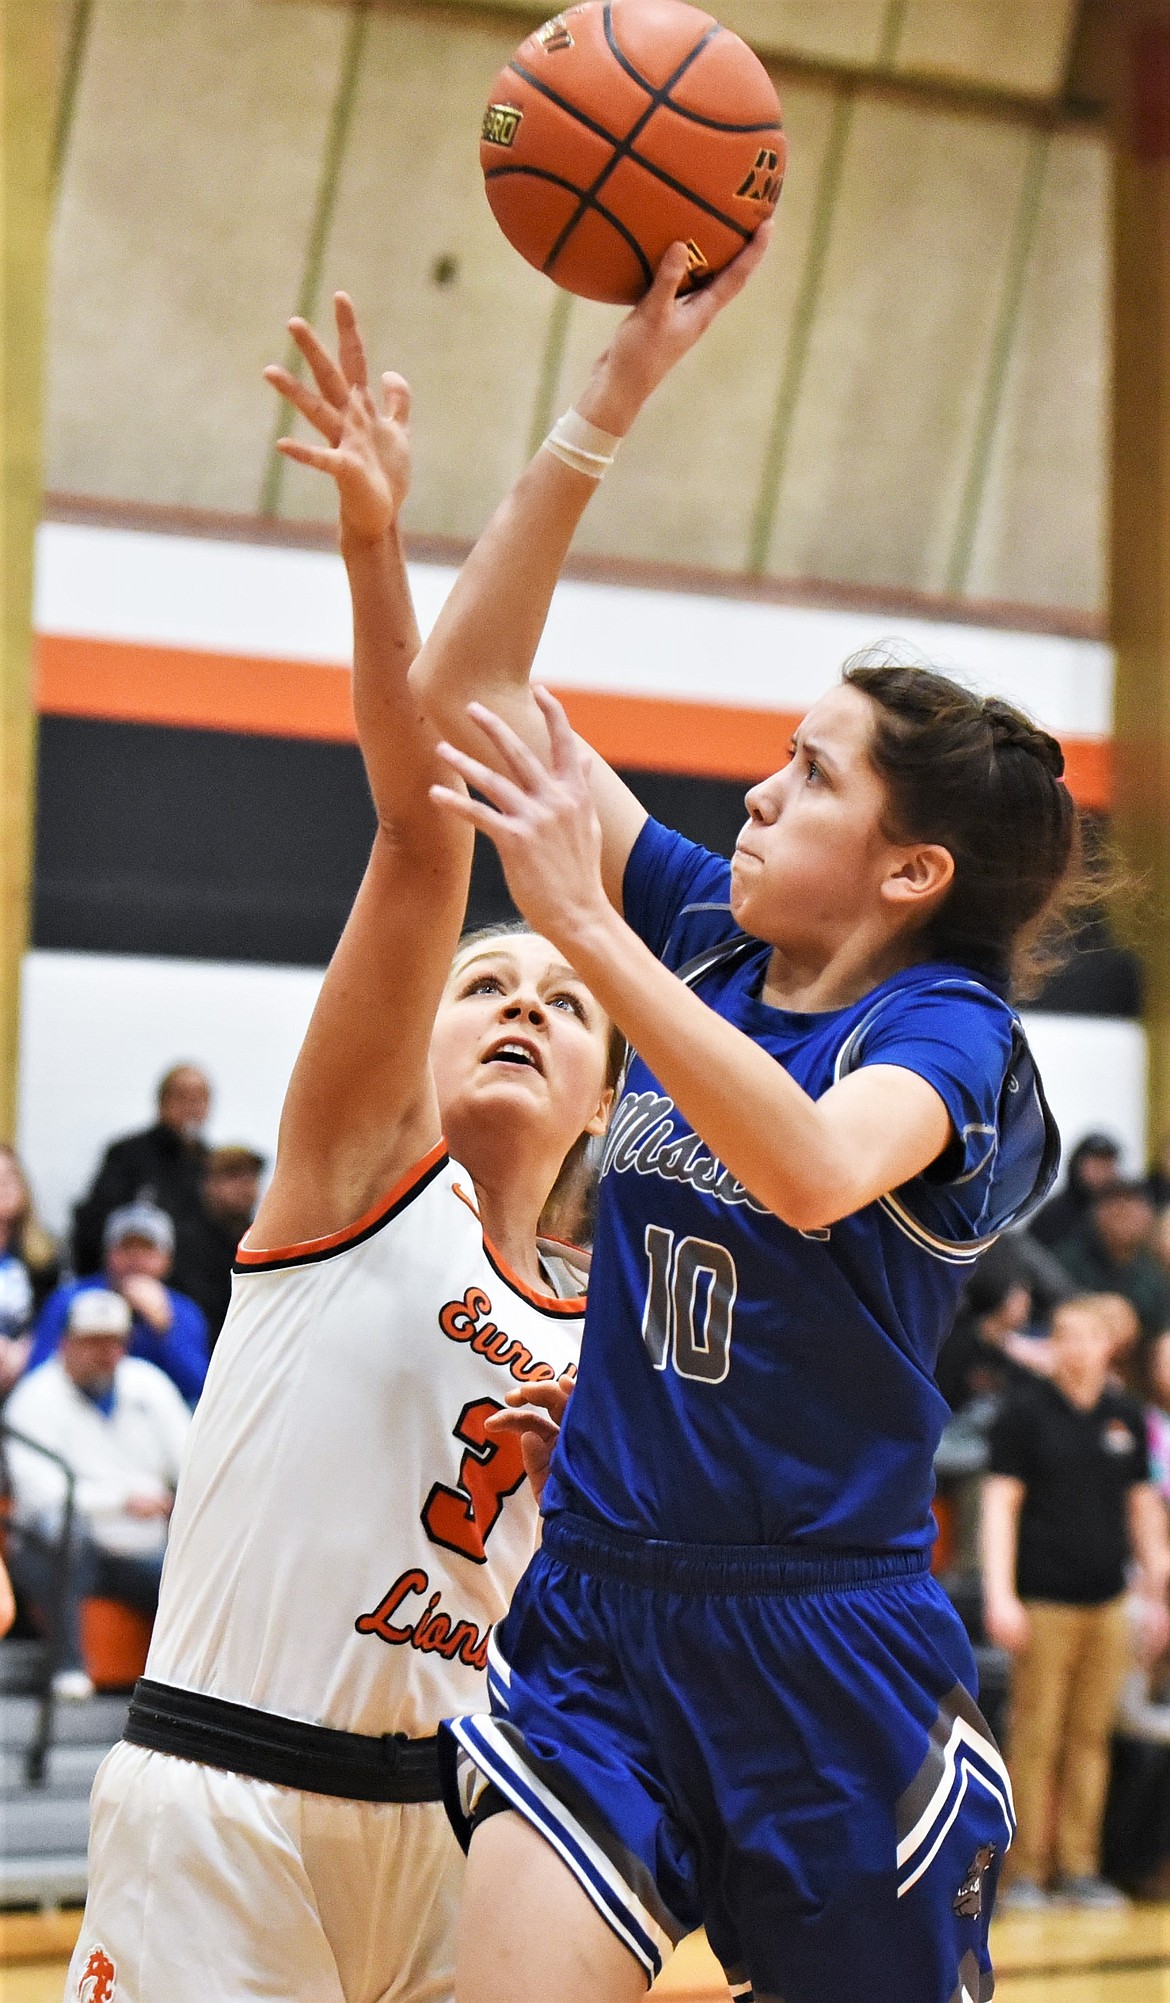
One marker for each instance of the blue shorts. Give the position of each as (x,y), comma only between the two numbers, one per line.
(780,1747)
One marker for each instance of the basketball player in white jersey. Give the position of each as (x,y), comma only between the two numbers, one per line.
(348,1526)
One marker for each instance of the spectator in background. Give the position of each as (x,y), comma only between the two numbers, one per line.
(163,1164)
(1067,1503)
(1158,1414)
(1111,1253)
(1092,1166)
(166,1329)
(1160,1242)
(120,1426)
(1158,1179)
(206,1244)
(28,1267)
(990,1350)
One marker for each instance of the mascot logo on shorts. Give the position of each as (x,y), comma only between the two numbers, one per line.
(96,1981)
(968,1902)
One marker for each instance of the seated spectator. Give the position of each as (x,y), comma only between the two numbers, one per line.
(1158,1179)
(1111,1254)
(167,1329)
(989,1349)
(1160,1242)
(119,1425)
(1136,1836)
(28,1267)
(206,1244)
(1092,1166)
(163,1165)
(1158,1413)
(1067,1503)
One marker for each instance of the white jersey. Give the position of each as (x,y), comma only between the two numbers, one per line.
(345,1533)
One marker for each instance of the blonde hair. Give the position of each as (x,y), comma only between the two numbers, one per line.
(568,1207)
(29,1239)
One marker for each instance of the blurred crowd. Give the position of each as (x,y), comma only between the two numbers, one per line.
(105,1341)
(1053,1472)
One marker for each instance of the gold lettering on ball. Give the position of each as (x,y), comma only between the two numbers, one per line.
(501,122)
(555,35)
(763,181)
(695,259)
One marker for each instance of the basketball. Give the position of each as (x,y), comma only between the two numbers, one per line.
(621,127)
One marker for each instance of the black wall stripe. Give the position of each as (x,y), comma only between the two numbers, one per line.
(202,845)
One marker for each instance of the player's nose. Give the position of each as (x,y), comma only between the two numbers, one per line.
(763,801)
(527,1008)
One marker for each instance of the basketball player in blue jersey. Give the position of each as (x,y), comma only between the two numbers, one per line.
(728,1690)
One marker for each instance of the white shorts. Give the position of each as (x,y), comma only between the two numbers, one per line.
(206,1887)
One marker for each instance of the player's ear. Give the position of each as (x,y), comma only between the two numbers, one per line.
(601,1118)
(919,876)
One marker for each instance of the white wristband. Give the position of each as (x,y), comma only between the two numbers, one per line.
(581,445)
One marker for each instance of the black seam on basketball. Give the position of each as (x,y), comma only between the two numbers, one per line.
(625,146)
(587,201)
(698,201)
(651,166)
(554,97)
(718,124)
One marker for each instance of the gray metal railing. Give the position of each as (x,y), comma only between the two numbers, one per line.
(59,1550)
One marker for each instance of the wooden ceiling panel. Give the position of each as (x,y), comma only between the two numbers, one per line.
(1015,45)
(886,412)
(1041,534)
(442,294)
(689,478)
(842,31)
(187,194)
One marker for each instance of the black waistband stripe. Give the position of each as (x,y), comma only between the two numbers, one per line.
(288,1752)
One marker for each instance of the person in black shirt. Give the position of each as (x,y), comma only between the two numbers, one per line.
(1067,1505)
(162,1165)
(205,1244)
(1093,1165)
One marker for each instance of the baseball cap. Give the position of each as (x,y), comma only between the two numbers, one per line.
(233,1160)
(139,1220)
(97,1311)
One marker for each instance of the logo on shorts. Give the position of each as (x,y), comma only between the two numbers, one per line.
(555,35)
(763,181)
(968,1900)
(501,123)
(96,1982)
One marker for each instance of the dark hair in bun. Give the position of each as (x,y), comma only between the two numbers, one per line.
(980,778)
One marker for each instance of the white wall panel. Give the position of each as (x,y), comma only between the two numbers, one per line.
(290,604)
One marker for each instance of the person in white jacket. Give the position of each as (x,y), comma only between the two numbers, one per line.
(119,1425)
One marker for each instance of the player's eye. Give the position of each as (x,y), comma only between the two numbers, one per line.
(483,984)
(572,1003)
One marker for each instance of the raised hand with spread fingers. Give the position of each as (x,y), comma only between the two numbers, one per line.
(367,449)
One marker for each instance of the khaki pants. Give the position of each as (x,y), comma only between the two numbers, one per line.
(1065,1685)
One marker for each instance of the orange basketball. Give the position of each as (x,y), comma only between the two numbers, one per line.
(621,127)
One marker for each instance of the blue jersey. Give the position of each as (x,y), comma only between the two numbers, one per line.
(744,1382)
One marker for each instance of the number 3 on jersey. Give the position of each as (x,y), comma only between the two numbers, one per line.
(462,1519)
(689,1301)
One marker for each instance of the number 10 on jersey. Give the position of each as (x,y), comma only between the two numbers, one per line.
(690,1295)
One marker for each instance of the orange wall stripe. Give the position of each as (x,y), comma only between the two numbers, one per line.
(125,682)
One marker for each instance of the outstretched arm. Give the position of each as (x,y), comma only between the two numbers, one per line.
(811,1161)
(485,639)
(361,1107)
